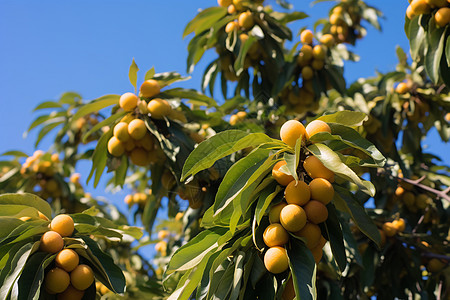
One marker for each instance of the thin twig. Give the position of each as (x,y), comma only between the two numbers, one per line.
(441,194)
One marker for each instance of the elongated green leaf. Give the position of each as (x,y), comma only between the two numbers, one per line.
(15,153)
(333,162)
(115,277)
(96,105)
(205,20)
(17,263)
(43,119)
(218,146)
(345,117)
(245,196)
(291,165)
(70,98)
(447,51)
(336,238)
(187,286)
(239,63)
(191,254)
(336,76)
(28,200)
(191,94)
(106,122)
(149,74)
(417,37)
(303,269)
(237,177)
(265,198)
(350,137)
(285,18)
(132,74)
(32,277)
(7,225)
(345,201)
(436,39)
(46,129)
(47,104)
(99,158)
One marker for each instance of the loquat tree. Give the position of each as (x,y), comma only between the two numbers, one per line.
(292,184)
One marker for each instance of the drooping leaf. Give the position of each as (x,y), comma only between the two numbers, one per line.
(218,146)
(336,237)
(333,162)
(303,269)
(352,138)
(96,105)
(191,254)
(345,201)
(204,20)
(436,39)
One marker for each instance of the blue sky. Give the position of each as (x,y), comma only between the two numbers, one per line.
(49,47)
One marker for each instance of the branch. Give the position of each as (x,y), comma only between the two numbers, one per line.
(441,194)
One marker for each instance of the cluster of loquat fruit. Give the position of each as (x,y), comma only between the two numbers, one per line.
(310,59)
(416,109)
(390,229)
(439,8)
(411,198)
(243,24)
(83,125)
(130,135)
(345,22)
(67,278)
(237,118)
(305,202)
(41,168)
(140,199)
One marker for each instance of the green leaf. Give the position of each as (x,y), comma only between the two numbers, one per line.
(132,74)
(149,74)
(17,263)
(333,162)
(239,63)
(70,98)
(96,105)
(447,51)
(28,200)
(167,78)
(265,199)
(285,18)
(190,281)
(352,138)
(15,153)
(100,157)
(191,94)
(106,265)
(303,269)
(205,20)
(32,278)
(47,104)
(345,201)
(218,146)
(417,37)
(191,254)
(106,122)
(46,129)
(336,238)
(345,117)
(46,119)
(436,38)
(336,76)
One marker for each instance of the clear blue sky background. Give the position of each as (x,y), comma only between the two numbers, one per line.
(49,47)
